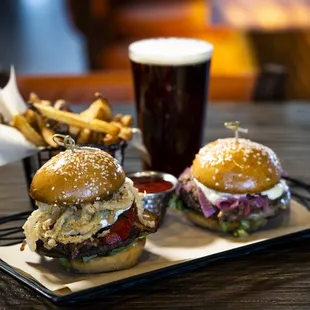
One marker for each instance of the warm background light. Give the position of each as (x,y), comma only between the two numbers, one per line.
(262,14)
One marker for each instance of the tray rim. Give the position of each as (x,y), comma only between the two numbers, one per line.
(182,266)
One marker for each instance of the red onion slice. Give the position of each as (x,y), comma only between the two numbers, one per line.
(227,204)
(206,206)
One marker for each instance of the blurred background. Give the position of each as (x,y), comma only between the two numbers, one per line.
(266,38)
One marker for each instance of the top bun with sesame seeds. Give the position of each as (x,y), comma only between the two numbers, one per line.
(82,176)
(237,167)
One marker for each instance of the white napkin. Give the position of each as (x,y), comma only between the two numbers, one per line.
(11,101)
(3,109)
(13,145)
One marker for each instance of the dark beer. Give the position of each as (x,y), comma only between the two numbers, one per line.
(171,104)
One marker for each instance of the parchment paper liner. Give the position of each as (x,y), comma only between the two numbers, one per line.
(176,241)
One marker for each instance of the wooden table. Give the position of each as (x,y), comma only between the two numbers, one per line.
(275,278)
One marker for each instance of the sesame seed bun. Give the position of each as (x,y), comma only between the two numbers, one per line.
(83,176)
(122,260)
(242,167)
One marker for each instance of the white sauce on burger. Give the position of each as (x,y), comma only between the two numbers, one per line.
(213,195)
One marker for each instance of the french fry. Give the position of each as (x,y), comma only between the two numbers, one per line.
(20,123)
(95,110)
(39,120)
(31,118)
(87,114)
(118,118)
(106,110)
(76,120)
(74,131)
(126,120)
(92,112)
(34,119)
(98,109)
(117,124)
(47,134)
(84,136)
(95,137)
(34,98)
(125,134)
(109,140)
(60,104)
(46,103)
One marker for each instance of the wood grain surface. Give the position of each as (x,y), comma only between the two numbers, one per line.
(276,278)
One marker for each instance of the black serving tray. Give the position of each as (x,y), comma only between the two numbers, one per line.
(153,275)
(300,191)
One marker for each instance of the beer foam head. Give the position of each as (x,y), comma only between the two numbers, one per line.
(170,51)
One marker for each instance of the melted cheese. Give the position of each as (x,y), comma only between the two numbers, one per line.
(212,195)
(105,221)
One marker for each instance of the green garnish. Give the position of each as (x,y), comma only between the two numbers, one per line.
(239,233)
(245,225)
(225,226)
(176,202)
(86,259)
(259,223)
(242,230)
(117,250)
(65,263)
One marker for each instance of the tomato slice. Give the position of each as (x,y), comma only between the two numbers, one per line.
(124,224)
(121,228)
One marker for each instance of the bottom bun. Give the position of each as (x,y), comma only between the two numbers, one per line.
(214,224)
(209,223)
(121,260)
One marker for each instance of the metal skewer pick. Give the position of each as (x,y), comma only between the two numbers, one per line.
(235,127)
(69,143)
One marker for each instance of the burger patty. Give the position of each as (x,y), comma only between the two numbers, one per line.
(190,200)
(90,247)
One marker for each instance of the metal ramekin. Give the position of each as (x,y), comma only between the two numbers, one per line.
(157,203)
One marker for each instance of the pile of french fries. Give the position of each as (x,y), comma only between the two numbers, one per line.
(94,126)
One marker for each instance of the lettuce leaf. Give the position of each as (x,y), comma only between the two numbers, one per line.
(88,258)
(176,202)
(240,233)
(64,261)
(120,249)
(246,226)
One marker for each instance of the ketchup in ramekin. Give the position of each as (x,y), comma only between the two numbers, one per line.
(157,188)
(151,184)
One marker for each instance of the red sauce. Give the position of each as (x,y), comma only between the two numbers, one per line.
(151,184)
